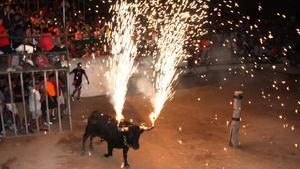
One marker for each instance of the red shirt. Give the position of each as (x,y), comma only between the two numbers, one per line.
(51,89)
(204,44)
(4,41)
(46,42)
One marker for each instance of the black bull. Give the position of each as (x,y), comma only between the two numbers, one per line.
(122,137)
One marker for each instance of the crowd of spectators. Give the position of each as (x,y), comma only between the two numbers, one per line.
(45,30)
(271,38)
(41,32)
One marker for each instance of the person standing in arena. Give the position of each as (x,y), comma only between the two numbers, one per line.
(78,72)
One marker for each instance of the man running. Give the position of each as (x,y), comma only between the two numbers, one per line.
(78,72)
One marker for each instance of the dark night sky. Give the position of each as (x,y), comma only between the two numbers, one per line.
(287,7)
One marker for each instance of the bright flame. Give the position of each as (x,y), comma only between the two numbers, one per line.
(121,64)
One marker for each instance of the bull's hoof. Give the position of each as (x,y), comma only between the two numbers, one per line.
(82,152)
(107,155)
(125,165)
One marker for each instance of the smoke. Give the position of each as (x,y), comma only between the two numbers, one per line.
(221,55)
(145,87)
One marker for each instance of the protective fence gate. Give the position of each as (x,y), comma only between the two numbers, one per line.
(23,113)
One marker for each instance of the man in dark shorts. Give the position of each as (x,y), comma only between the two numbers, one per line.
(78,72)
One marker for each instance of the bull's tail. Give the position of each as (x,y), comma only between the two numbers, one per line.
(88,129)
(92,121)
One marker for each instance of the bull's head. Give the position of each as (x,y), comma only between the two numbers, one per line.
(132,134)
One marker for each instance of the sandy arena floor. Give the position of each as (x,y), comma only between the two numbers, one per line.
(269,135)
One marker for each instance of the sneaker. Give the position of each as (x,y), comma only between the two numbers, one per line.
(30,62)
(18,67)
(10,69)
(31,130)
(65,113)
(52,118)
(48,124)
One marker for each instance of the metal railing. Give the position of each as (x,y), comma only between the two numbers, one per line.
(14,112)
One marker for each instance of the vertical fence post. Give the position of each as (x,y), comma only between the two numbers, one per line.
(64,13)
(27,4)
(68,99)
(2,118)
(235,122)
(47,101)
(35,104)
(12,103)
(58,100)
(24,105)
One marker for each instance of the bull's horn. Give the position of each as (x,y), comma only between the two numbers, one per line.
(143,127)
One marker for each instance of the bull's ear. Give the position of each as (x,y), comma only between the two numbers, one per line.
(141,131)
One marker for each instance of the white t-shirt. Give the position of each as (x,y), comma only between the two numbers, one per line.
(37,100)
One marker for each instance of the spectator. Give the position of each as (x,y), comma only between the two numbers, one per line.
(64,88)
(78,34)
(7,15)
(35,104)
(17,91)
(45,42)
(1,111)
(52,103)
(19,43)
(204,44)
(4,44)
(61,98)
(11,109)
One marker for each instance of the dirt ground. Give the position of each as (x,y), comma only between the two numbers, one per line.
(192,131)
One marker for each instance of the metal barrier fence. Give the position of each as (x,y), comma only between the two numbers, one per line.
(44,74)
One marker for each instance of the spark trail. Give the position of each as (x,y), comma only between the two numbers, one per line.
(121,64)
(170,45)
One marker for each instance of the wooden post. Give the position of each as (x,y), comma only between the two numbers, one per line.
(235,122)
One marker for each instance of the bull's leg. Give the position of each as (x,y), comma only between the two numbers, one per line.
(109,150)
(84,137)
(91,142)
(125,152)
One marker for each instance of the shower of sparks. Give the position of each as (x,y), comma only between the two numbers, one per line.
(121,64)
(171,52)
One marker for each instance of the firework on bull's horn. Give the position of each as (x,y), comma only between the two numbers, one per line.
(121,64)
(170,47)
